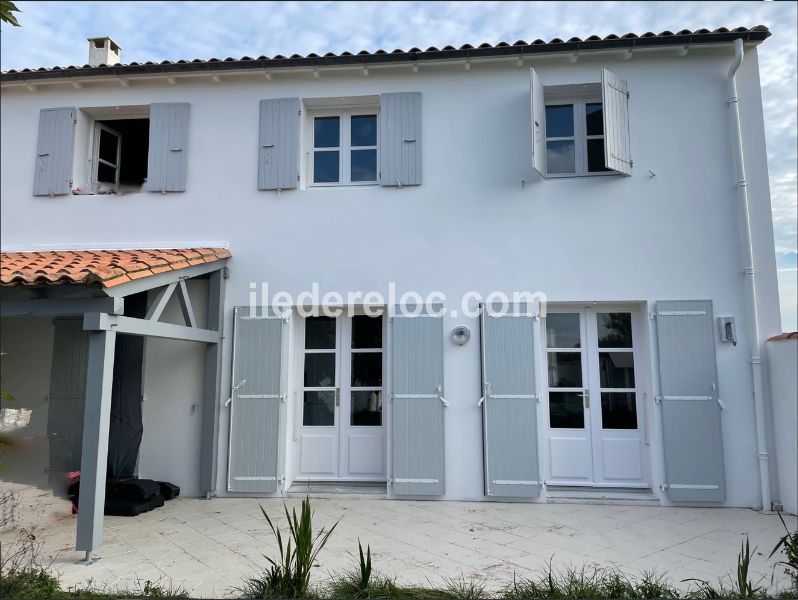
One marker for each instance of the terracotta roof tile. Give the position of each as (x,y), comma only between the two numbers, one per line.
(784,336)
(628,40)
(106,267)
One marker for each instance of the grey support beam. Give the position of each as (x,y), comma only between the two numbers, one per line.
(185,304)
(211,404)
(131,326)
(94,457)
(165,278)
(161,300)
(48,307)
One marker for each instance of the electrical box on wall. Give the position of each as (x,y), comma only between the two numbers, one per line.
(728,330)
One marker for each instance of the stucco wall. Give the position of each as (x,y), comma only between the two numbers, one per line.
(172,413)
(783,358)
(471,225)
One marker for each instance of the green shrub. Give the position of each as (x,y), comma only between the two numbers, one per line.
(35,582)
(788,544)
(288,576)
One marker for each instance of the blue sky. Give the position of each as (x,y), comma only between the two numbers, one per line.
(54,33)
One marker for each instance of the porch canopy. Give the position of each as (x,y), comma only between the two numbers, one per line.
(93,284)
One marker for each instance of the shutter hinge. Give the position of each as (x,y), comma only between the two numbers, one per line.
(663,486)
(652,316)
(297,177)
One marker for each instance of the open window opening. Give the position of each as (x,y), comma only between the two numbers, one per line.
(581,129)
(119,155)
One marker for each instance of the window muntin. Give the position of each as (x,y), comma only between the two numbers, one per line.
(560,140)
(575,138)
(320,370)
(107,154)
(345,148)
(366,372)
(616,370)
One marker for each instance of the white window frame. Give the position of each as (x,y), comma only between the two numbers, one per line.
(580,136)
(96,160)
(344,147)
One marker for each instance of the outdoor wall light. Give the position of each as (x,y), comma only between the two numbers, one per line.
(460,335)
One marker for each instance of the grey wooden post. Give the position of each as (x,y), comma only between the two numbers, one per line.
(212,386)
(96,423)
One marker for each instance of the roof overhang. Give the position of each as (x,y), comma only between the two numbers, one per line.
(364,59)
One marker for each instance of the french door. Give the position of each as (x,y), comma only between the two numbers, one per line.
(340,419)
(594,399)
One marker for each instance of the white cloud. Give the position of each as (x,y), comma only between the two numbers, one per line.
(54,33)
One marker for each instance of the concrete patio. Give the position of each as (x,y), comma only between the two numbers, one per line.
(209,547)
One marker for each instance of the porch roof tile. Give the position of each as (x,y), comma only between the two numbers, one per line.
(105,267)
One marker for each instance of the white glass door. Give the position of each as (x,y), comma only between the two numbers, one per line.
(570,448)
(341,426)
(593,398)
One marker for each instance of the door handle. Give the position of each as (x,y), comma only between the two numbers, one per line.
(586,398)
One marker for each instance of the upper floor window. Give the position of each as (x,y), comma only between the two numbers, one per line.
(119,153)
(344,148)
(575,138)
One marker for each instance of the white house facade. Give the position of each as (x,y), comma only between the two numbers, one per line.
(617,187)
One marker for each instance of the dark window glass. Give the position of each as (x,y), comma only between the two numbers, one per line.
(325,167)
(364,165)
(560,157)
(562,330)
(106,174)
(560,121)
(594,118)
(566,410)
(595,156)
(617,369)
(326,132)
(366,332)
(108,146)
(618,410)
(318,409)
(614,330)
(565,369)
(320,333)
(366,408)
(364,130)
(366,369)
(320,370)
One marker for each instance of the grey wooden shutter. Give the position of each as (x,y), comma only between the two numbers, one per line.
(67,394)
(255,402)
(691,423)
(167,160)
(538,115)
(278,153)
(54,151)
(400,139)
(615,101)
(417,404)
(509,403)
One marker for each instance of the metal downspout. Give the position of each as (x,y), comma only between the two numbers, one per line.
(750,279)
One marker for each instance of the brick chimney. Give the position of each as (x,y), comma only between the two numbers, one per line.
(103,51)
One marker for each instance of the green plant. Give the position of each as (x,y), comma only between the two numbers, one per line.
(744,586)
(365,567)
(788,544)
(288,576)
(464,589)
(7,8)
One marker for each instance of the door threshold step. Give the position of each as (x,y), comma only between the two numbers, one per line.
(323,489)
(599,495)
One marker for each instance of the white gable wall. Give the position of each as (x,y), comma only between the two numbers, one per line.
(470,225)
